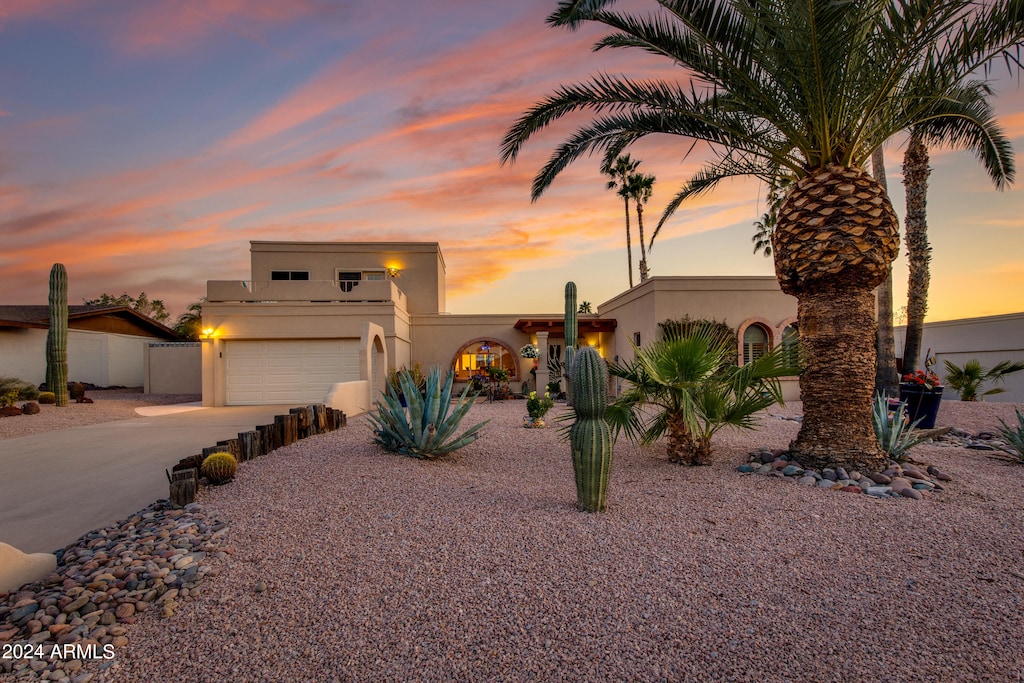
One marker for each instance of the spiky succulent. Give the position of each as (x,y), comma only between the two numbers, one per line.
(427,429)
(219,468)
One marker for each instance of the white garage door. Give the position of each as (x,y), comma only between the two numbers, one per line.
(299,371)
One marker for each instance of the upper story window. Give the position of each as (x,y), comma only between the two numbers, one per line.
(349,279)
(289,275)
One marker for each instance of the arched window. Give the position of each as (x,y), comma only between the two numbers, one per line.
(755,343)
(790,340)
(475,356)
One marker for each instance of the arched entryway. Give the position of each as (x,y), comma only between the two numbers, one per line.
(475,356)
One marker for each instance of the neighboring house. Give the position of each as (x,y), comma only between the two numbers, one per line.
(319,313)
(989,340)
(106,344)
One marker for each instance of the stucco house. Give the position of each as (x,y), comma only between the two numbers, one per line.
(315,314)
(107,345)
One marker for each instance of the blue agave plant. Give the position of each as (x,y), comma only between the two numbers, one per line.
(425,430)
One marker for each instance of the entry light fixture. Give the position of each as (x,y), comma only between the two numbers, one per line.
(207,332)
(393,271)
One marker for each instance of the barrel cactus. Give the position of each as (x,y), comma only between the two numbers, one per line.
(57,337)
(219,468)
(590,436)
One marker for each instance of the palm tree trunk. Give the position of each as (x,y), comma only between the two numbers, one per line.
(837,346)
(886,380)
(643,250)
(915,177)
(629,246)
(681,446)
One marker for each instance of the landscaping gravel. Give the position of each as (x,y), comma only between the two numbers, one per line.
(341,562)
(109,405)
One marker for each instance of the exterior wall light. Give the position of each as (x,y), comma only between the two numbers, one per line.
(393,271)
(207,332)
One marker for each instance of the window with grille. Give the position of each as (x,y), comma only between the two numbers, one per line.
(755,343)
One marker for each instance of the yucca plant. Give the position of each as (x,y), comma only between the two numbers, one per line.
(1014,436)
(895,433)
(425,430)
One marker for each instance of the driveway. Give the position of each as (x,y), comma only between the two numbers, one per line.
(57,486)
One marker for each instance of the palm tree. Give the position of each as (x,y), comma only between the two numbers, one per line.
(967,380)
(620,170)
(762,239)
(189,324)
(886,379)
(811,87)
(683,386)
(640,186)
(915,179)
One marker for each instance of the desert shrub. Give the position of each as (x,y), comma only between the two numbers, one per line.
(23,391)
(720,332)
(76,391)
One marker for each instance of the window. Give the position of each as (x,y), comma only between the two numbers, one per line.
(474,357)
(348,280)
(755,343)
(636,338)
(289,275)
(790,340)
(376,275)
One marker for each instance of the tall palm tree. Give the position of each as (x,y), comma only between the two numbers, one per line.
(640,186)
(811,87)
(886,380)
(620,170)
(919,252)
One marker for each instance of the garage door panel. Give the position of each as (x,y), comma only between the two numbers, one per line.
(268,372)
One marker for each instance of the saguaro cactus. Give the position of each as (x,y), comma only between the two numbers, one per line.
(571,324)
(590,435)
(57,337)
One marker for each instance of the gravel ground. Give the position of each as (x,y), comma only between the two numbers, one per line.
(109,405)
(351,564)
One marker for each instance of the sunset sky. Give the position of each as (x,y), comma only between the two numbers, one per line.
(144,144)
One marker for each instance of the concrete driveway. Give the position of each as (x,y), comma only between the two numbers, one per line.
(55,487)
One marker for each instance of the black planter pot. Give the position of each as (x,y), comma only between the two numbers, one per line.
(922,403)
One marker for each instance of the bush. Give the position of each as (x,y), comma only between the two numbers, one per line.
(219,468)
(427,429)
(76,391)
(720,332)
(1014,436)
(538,407)
(23,391)
(47,398)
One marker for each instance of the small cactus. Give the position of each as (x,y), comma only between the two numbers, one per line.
(590,436)
(57,337)
(219,468)
(47,398)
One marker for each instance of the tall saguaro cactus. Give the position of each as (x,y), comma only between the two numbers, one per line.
(57,337)
(590,435)
(571,324)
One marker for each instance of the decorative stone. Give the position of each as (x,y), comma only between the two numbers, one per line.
(807,480)
(841,474)
(880,479)
(910,492)
(746,469)
(852,488)
(792,470)
(829,473)
(30,408)
(878,491)
(826,484)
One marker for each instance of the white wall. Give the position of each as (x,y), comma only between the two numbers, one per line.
(988,340)
(101,358)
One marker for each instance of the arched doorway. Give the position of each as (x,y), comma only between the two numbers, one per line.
(477,355)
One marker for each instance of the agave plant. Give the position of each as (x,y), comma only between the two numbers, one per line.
(895,433)
(1014,436)
(425,430)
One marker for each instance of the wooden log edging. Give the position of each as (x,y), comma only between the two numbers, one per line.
(298,424)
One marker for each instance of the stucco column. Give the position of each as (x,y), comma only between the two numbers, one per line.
(542,363)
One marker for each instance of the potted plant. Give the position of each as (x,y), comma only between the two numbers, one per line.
(922,392)
(499,376)
(530,351)
(537,408)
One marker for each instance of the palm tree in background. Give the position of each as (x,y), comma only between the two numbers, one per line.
(811,87)
(639,187)
(886,377)
(620,171)
(919,252)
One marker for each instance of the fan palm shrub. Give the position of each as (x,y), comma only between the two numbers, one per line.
(427,428)
(683,387)
(967,380)
(806,89)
